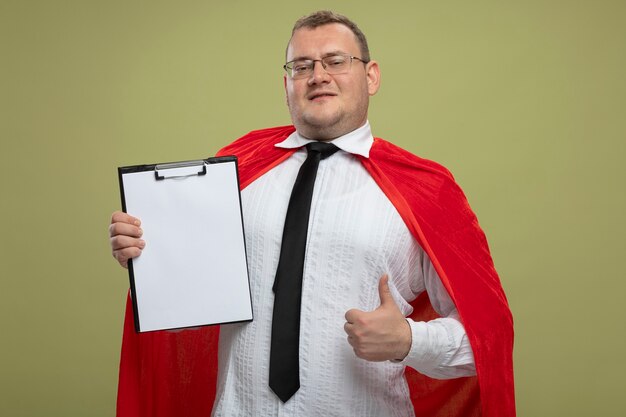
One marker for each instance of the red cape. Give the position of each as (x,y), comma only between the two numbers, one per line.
(174,374)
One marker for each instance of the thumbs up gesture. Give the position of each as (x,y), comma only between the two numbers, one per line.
(382,334)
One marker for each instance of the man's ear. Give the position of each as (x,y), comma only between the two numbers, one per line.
(285,86)
(372,72)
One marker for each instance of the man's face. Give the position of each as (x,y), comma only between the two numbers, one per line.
(324,106)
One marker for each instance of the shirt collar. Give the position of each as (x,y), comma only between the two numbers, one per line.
(358,141)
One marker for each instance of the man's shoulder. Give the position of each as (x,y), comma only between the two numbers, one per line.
(271,132)
(256,140)
(388,154)
(256,153)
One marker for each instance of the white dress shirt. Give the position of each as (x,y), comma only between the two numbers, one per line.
(355,236)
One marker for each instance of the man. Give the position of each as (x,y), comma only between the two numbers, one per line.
(389,235)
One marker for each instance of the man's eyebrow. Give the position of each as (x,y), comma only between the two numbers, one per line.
(337,52)
(324,55)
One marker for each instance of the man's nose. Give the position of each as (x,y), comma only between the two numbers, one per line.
(319,74)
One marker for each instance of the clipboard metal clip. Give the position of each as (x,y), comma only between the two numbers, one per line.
(178,169)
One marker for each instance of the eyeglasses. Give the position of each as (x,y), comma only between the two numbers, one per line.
(333,64)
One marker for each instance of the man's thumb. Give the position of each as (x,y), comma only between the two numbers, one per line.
(384,292)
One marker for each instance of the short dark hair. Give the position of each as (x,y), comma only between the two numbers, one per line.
(326,17)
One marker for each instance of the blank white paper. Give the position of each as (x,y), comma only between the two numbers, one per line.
(193,269)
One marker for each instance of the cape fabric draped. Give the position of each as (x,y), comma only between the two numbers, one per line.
(166,374)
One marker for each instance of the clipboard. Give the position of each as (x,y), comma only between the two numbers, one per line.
(193,270)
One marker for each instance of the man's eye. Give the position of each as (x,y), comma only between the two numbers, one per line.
(335,61)
(300,67)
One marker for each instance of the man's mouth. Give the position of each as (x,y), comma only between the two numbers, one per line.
(321,95)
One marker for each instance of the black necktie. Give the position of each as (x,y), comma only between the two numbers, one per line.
(284,360)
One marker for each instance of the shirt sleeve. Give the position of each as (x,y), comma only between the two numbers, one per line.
(439,348)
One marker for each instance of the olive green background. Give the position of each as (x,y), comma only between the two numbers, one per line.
(524,101)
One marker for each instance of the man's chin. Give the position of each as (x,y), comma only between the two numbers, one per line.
(320,130)
(321,120)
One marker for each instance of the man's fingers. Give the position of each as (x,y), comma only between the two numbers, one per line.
(353,314)
(126,229)
(121,217)
(349,329)
(125,233)
(123,255)
(122,242)
(382,334)
(352,343)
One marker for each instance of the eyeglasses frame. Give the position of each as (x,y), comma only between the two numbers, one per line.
(321,61)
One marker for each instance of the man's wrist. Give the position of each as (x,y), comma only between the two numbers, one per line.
(405,344)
